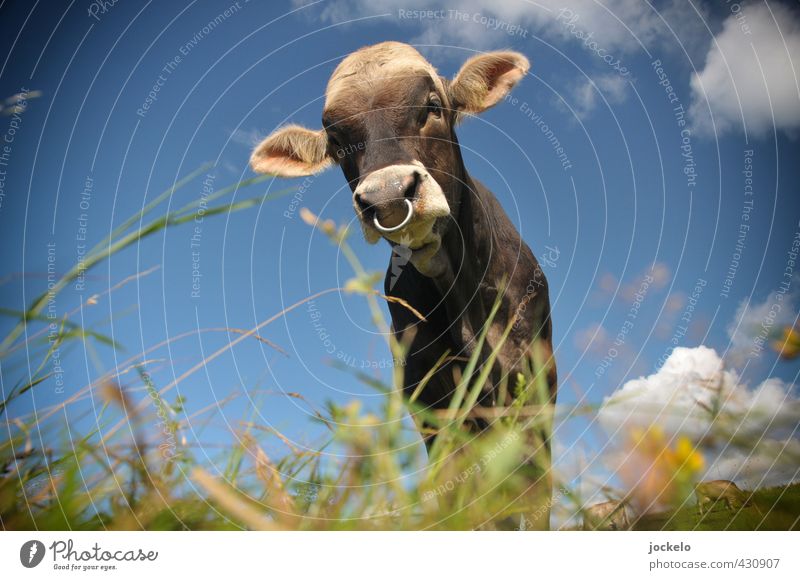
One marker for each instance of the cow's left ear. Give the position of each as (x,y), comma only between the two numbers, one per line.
(292,151)
(485,79)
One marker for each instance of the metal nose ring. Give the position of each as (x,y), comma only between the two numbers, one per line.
(401,225)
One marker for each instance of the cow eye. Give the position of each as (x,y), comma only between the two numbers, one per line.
(335,142)
(435,107)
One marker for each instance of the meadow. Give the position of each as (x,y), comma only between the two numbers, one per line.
(119,476)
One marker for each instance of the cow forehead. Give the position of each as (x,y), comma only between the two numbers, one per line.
(375,66)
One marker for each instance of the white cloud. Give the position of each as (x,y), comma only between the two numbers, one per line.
(616,25)
(755,324)
(586,95)
(656,277)
(730,83)
(751,73)
(693,387)
(594,339)
(764,469)
(247,137)
(611,32)
(692,382)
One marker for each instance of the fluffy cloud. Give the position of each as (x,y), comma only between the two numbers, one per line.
(749,70)
(693,385)
(656,277)
(585,95)
(248,138)
(616,25)
(756,324)
(673,306)
(694,395)
(594,339)
(751,73)
(754,470)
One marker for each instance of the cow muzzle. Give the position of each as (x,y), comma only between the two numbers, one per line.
(400,203)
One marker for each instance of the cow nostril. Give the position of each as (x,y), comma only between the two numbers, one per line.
(387,197)
(411,185)
(364,207)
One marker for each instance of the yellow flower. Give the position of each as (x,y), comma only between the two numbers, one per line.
(658,473)
(788,345)
(687,457)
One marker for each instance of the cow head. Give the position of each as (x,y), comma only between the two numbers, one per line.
(389,122)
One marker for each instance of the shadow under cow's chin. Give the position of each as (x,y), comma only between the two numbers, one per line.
(429,260)
(418,244)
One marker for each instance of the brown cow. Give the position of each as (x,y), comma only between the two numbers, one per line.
(710,492)
(608,515)
(389,122)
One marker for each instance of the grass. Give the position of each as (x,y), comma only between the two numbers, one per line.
(771,508)
(117,476)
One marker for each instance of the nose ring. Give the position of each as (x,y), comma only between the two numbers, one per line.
(401,225)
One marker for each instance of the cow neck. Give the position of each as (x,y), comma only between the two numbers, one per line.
(468,272)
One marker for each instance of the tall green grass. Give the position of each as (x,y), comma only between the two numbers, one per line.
(115,477)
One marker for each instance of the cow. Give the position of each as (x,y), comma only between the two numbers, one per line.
(608,515)
(710,492)
(389,123)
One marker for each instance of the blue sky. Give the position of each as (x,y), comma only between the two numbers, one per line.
(658,113)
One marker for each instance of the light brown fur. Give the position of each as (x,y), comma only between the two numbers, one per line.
(380,72)
(710,492)
(370,64)
(470,91)
(292,151)
(608,515)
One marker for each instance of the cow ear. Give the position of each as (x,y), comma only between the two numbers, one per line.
(292,151)
(485,79)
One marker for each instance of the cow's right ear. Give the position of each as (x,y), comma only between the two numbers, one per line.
(485,79)
(292,151)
